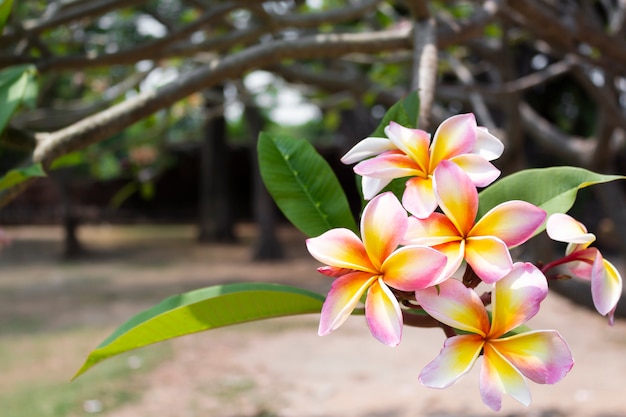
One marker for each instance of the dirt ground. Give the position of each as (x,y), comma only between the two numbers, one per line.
(279,367)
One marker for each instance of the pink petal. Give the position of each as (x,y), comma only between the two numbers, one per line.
(455,252)
(414,267)
(542,356)
(516,298)
(419,197)
(497,377)
(372,186)
(340,248)
(487,145)
(391,164)
(383,314)
(456,195)
(455,136)
(332,271)
(413,142)
(367,148)
(457,357)
(606,286)
(434,230)
(563,228)
(489,258)
(343,297)
(383,225)
(454,304)
(514,222)
(481,172)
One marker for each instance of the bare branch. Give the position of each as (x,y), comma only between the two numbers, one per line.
(116,118)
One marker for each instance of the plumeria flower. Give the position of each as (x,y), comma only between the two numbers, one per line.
(484,244)
(375,264)
(409,153)
(541,356)
(586,262)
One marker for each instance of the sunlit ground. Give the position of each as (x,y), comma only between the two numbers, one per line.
(53,312)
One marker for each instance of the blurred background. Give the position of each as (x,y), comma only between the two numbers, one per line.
(144,116)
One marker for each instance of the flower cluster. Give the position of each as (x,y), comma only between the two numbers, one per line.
(409,252)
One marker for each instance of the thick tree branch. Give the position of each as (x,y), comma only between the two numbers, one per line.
(116,118)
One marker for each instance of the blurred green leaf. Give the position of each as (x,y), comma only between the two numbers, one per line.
(16,176)
(69,160)
(303,185)
(204,309)
(5,11)
(18,85)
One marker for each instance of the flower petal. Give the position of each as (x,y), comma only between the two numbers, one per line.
(606,286)
(372,186)
(542,356)
(391,164)
(454,304)
(434,230)
(516,298)
(340,248)
(489,257)
(419,197)
(413,267)
(383,314)
(456,195)
(481,172)
(563,228)
(457,357)
(497,377)
(383,225)
(455,252)
(455,136)
(367,148)
(343,296)
(514,222)
(413,142)
(487,145)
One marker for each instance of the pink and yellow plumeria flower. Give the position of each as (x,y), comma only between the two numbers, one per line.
(541,356)
(586,262)
(409,153)
(484,244)
(374,264)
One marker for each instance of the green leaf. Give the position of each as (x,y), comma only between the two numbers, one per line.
(204,309)
(5,11)
(303,185)
(71,159)
(17,86)
(553,189)
(404,112)
(18,175)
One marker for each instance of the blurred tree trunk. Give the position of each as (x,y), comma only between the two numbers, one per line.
(215,219)
(72,248)
(267,246)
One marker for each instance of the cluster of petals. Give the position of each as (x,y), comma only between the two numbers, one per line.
(483,244)
(374,263)
(586,262)
(409,153)
(541,356)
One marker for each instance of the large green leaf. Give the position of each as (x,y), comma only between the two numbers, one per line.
(553,189)
(303,185)
(18,175)
(404,112)
(204,309)
(18,85)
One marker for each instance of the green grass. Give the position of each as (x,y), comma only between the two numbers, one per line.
(43,388)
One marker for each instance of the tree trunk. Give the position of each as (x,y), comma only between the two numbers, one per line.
(267,246)
(72,248)
(215,219)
